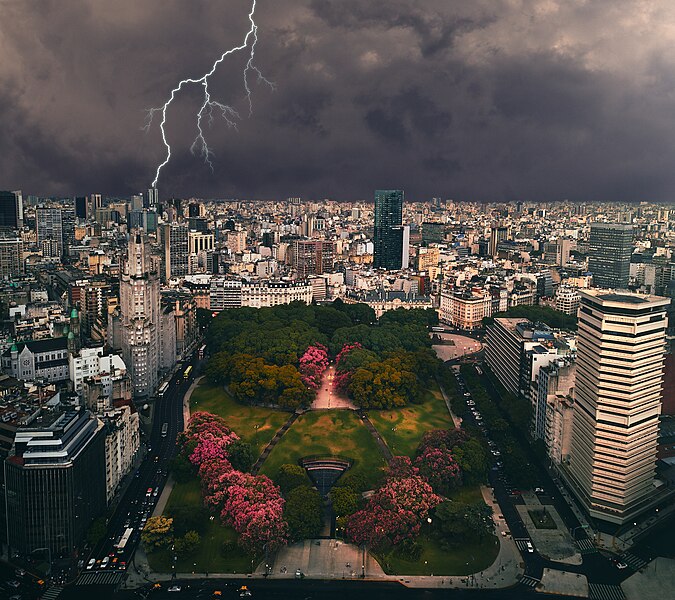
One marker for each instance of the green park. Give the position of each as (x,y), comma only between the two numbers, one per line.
(411,493)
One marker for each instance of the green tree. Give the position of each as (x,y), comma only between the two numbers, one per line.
(345,501)
(291,476)
(187,544)
(157,533)
(181,469)
(188,519)
(458,522)
(303,512)
(241,456)
(472,460)
(96,531)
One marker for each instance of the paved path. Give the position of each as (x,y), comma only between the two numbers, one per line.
(455,419)
(186,399)
(273,442)
(382,445)
(327,396)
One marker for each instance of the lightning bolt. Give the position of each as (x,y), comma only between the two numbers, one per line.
(206,111)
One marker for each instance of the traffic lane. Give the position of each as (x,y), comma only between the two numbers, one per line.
(152,473)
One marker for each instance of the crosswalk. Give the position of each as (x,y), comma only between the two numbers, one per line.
(585,546)
(52,593)
(530,581)
(521,543)
(634,562)
(601,591)
(100,578)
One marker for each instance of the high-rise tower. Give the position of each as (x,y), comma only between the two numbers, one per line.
(139,317)
(619,385)
(390,236)
(609,249)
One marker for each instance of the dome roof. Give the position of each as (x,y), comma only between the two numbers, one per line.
(74,314)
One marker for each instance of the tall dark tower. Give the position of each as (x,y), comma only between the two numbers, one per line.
(388,239)
(609,250)
(11,212)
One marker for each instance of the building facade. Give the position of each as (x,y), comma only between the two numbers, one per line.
(139,325)
(389,233)
(609,250)
(619,388)
(55,483)
(49,231)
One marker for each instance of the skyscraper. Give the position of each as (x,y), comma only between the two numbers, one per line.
(11,210)
(55,480)
(175,250)
(609,249)
(151,198)
(619,385)
(49,230)
(389,232)
(139,317)
(81,207)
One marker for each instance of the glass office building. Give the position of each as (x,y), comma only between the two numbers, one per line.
(55,483)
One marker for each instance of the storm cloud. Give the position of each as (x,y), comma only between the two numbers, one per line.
(475,100)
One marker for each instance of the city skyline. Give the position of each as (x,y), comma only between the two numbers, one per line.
(554,100)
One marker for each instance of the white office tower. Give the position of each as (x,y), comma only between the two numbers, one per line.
(619,384)
(139,317)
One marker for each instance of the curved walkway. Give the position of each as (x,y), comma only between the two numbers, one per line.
(275,440)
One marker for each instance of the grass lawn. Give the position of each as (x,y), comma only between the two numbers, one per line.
(471,556)
(242,419)
(337,432)
(208,557)
(403,428)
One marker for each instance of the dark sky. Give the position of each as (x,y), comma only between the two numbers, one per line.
(472,100)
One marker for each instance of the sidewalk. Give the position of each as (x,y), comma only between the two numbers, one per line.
(186,400)
(335,559)
(455,419)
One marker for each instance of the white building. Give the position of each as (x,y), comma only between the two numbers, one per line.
(122,442)
(90,362)
(465,310)
(257,294)
(567,300)
(619,389)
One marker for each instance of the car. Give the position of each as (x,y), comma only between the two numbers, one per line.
(115,561)
(175,588)
(620,565)
(467,395)
(538,490)
(298,574)
(13,584)
(148,492)
(104,562)
(90,564)
(19,572)
(155,492)
(529,546)
(122,565)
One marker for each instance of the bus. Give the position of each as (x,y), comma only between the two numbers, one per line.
(187,372)
(200,353)
(165,428)
(124,539)
(162,389)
